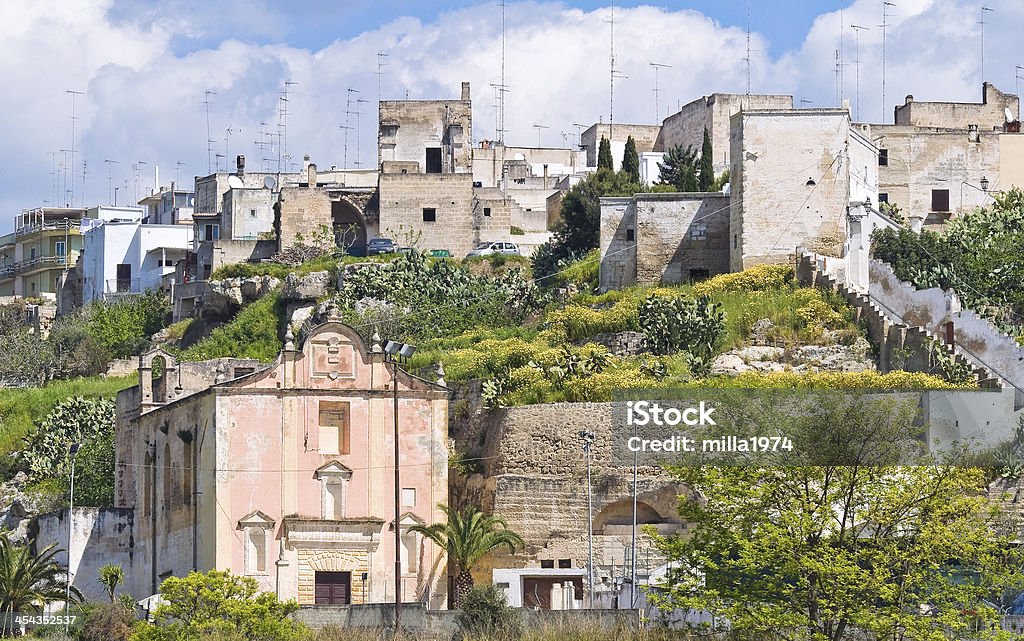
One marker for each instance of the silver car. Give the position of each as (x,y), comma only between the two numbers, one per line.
(496,247)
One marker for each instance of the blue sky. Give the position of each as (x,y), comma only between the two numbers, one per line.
(144,67)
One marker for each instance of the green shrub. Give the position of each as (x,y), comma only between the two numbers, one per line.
(123,328)
(516,231)
(673,324)
(253,333)
(485,613)
(107,622)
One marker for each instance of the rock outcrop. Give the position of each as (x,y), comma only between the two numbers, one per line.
(312,286)
(227,296)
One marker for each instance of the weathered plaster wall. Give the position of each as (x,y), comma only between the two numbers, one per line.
(617,243)
(304,211)
(409,127)
(247,214)
(645,137)
(791,182)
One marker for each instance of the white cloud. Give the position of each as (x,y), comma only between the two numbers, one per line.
(144,102)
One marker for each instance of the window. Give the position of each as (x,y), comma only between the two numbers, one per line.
(433,160)
(547,564)
(332,588)
(124,277)
(59,248)
(883,197)
(940,200)
(334,427)
(32,254)
(487,211)
(408,497)
(883,157)
(255,550)
(410,552)
(252,213)
(211,232)
(735,241)
(429,214)
(564,563)
(630,234)
(334,499)
(699,231)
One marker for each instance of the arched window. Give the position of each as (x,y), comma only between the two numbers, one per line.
(158,380)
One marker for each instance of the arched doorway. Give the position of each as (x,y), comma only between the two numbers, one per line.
(349,227)
(617,517)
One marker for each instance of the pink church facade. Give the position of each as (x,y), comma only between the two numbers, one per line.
(286,472)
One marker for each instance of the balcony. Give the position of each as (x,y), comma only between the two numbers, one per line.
(54,226)
(7,271)
(121,287)
(42,262)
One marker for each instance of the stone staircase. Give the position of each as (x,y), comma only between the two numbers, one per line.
(900,346)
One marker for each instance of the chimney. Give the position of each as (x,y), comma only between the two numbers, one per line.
(311,174)
(545,175)
(240,165)
(465,91)
(156,179)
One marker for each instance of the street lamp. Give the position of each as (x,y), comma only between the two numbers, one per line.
(983,188)
(72,451)
(393,351)
(588,441)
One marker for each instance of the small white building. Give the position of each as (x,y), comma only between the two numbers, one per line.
(123,256)
(542,588)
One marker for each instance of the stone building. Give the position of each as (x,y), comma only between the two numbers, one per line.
(663,238)
(436,135)
(794,172)
(284,472)
(686,127)
(941,159)
(645,137)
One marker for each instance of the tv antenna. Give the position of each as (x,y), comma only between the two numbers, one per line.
(110,180)
(209,137)
(857,29)
(74,94)
(227,137)
(885,26)
(539,128)
(657,109)
(177,168)
(282,125)
(1018,77)
(747,59)
(982,23)
(346,127)
(359,110)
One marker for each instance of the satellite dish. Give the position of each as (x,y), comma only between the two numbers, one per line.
(1009,115)
(519,157)
(269,182)
(235,182)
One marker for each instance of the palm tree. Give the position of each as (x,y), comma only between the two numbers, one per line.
(467,537)
(27,582)
(111,576)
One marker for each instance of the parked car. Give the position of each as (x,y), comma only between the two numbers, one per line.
(440,253)
(378,246)
(497,247)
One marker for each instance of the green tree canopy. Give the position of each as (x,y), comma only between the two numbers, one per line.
(467,537)
(631,161)
(219,602)
(678,168)
(29,582)
(706,173)
(832,552)
(604,155)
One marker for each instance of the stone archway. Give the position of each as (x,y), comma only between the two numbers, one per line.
(349,227)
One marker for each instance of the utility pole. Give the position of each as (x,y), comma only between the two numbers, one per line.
(588,438)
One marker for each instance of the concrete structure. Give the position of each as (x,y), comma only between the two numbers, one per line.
(427,136)
(430,211)
(686,127)
(542,588)
(169,206)
(793,174)
(663,238)
(1011,161)
(285,472)
(45,244)
(124,257)
(645,137)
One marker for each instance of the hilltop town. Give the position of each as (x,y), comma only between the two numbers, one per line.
(296,374)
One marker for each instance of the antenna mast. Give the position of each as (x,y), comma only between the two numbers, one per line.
(209,140)
(982,23)
(857,29)
(885,25)
(611,74)
(502,88)
(74,94)
(657,109)
(359,101)
(747,59)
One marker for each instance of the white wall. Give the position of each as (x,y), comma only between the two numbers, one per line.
(130,243)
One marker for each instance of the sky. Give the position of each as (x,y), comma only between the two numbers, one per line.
(160,79)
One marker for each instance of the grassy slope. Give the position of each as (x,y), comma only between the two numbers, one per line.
(20,407)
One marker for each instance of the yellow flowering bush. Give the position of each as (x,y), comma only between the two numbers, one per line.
(753,279)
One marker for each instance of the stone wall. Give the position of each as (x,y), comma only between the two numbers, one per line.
(686,127)
(645,137)
(409,127)
(304,210)
(921,160)
(988,115)
(791,183)
(617,244)
(98,536)
(403,198)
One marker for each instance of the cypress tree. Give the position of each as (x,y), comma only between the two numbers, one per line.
(604,155)
(706,175)
(631,161)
